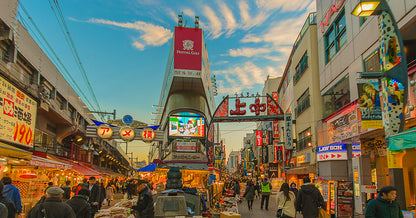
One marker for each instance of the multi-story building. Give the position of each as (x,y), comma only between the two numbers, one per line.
(232,162)
(347,46)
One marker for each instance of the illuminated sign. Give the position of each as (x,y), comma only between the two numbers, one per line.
(259,138)
(304,158)
(18,116)
(332,152)
(127,133)
(275,129)
(330,12)
(104,131)
(186,126)
(356,150)
(148,134)
(185,146)
(187,54)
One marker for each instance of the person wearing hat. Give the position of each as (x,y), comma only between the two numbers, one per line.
(53,206)
(144,206)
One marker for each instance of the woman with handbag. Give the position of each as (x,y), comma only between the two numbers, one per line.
(249,194)
(286,202)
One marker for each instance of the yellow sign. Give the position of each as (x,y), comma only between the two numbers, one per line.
(303,159)
(104,131)
(127,134)
(18,115)
(148,134)
(395,160)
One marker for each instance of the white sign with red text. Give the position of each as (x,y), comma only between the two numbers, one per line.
(332,156)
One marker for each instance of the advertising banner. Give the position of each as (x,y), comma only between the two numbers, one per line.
(288,132)
(18,115)
(186,126)
(278,153)
(345,199)
(369,103)
(187,54)
(185,146)
(217,152)
(259,138)
(344,125)
(265,154)
(275,129)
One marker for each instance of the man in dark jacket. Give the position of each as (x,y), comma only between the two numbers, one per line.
(67,190)
(95,194)
(11,209)
(309,199)
(53,206)
(79,203)
(385,205)
(12,192)
(144,205)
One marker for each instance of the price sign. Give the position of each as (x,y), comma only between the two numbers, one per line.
(148,134)
(23,134)
(127,134)
(104,131)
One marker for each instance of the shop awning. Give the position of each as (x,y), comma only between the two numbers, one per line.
(10,151)
(302,170)
(149,168)
(403,140)
(85,170)
(43,162)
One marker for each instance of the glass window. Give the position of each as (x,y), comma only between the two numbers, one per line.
(337,97)
(372,62)
(363,20)
(43,140)
(301,67)
(336,37)
(304,139)
(303,103)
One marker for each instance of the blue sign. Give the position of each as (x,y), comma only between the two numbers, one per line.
(211,179)
(356,147)
(332,148)
(128,119)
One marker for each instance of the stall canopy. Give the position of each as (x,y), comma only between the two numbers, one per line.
(149,168)
(403,140)
(85,170)
(11,151)
(43,162)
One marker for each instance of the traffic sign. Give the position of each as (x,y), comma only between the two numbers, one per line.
(210,167)
(127,119)
(104,131)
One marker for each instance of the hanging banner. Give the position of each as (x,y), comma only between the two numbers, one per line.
(259,138)
(18,116)
(187,56)
(278,153)
(369,103)
(288,132)
(275,129)
(265,154)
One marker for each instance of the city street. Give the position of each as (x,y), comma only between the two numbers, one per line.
(257,212)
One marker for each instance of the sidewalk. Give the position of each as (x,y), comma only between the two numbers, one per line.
(257,212)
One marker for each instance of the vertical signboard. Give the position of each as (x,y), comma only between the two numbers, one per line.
(265,154)
(187,54)
(259,138)
(278,152)
(288,132)
(275,129)
(370,107)
(18,115)
(345,199)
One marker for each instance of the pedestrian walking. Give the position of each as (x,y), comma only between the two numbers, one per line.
(130,190)
(102,195)
(3,211)
(84,184)
(12,192)
(79,203)
(266,188)
(385,205)
(67,191)
(257,189)
(94,198)
(10,208)
(285,201)
(237,188)
(53,206)
(249,194)
(294,189)
(144,206)
(309,199)
(109,192)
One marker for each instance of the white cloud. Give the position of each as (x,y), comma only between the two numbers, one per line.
(242,77)
(249,21)
(139,45)
(153,35)
(273,58)
(247,52)
(283,5)
(189,12)
(172,14)
(251,38)
(229,18)
(215,25)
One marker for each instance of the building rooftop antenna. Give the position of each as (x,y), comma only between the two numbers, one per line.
(196,22)
(180,19)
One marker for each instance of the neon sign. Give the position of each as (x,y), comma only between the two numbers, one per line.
(330,12)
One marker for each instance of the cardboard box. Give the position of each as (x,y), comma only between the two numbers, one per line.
(229,214)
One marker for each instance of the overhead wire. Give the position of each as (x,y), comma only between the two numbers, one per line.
(58,62)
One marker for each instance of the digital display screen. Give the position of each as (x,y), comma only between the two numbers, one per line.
(186,126)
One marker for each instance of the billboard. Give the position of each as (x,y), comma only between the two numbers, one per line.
(369,102)
(332,152)
(187,52)
(186,126)
(185,146)
(18,115)
(259,138)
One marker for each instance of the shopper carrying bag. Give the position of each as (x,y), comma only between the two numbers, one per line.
(285,200)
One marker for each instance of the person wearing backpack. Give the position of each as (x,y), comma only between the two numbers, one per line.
(52,207)
(385,205)
(79,203)
(309,199)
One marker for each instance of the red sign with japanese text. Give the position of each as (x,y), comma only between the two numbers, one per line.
(259,138)
(275,129)
(188,49)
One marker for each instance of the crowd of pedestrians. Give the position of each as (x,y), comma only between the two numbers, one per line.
(87,198)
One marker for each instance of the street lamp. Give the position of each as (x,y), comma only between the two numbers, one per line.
(394,79)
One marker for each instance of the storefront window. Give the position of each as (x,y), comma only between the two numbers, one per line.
(336,37)
(304,139)
(337,97)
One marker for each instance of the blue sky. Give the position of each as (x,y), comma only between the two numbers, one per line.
(124,46)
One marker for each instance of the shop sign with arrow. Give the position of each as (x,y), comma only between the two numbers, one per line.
(332,152)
